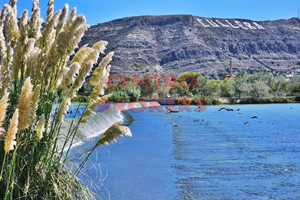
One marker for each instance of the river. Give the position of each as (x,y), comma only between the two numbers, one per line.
(203,155)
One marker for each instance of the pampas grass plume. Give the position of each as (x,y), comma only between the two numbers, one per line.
(99,71)
(81,54)
(25,105)
(69,78)
(3,107)
(11,133)
(12,30)
(100,46)
(62,19)
(63,108)
(40,127)
(35,100)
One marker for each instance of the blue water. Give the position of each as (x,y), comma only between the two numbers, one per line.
(204,155)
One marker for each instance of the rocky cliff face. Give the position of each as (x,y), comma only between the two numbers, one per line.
(180,43)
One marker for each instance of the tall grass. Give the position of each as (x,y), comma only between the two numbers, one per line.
(36,74)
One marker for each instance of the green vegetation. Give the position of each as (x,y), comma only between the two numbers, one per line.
(258,87)
(37,76)
(137,66)
(125,91)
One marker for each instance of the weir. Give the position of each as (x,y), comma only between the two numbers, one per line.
(96,125)
(106,115)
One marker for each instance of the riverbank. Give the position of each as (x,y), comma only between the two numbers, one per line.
(221,100)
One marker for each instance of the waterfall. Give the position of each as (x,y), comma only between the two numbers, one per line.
(106,115)
(95,126)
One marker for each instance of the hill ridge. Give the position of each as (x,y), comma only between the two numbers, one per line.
(178,43)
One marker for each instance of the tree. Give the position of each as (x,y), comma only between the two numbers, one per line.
(147,86)
(227,87)
(241,84)
(189,84)
(126,91)
(259,89)
(213,88)
(294,85)
(279,86)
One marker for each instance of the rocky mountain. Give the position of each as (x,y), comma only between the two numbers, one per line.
(179,43)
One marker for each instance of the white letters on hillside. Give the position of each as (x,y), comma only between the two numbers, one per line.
(249,25)
(211,22)
(214,23)
(200,21)
(224,25)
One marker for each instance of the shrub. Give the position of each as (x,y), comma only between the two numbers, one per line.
(33,166)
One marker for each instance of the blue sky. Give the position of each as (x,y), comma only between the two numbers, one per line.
(97,11)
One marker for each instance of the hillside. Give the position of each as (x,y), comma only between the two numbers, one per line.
(178,43)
